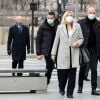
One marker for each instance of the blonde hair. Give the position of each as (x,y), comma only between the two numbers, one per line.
(63,21)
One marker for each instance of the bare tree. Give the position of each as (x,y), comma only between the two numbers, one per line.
(15,2)
(2,4)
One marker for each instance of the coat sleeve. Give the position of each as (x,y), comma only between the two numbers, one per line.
(56,42)
(80,36)
(98,39)
(28,40)
(39,41)
(10,37)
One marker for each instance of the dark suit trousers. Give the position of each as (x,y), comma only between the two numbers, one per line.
(93,67)
(49,67)
(87,71)
(20,65)
(65,75)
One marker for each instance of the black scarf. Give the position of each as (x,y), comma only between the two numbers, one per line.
(92,35)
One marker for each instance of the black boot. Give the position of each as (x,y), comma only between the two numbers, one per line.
(86,79)
(13,74)
(79,90)
(48,81)
(62,92)
(94,92)
(69,96)
(19,74)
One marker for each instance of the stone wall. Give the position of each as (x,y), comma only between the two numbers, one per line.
(9,11)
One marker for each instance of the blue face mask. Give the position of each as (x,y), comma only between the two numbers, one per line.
(50,21)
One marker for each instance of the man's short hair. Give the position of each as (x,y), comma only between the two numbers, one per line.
(51,13)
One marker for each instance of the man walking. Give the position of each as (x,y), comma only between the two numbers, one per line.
(91,32)
(44,42)
(18,40)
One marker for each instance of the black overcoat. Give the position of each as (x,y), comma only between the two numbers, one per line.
(18,41)
(45,38)
(86,31)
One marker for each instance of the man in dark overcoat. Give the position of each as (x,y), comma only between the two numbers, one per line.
(91,32)
(18,40)
(44,42)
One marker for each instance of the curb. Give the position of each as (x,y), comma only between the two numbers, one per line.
(27,56)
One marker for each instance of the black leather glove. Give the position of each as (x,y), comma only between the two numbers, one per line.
(9,52)
(28,51)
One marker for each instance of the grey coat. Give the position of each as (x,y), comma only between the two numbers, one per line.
(61,39)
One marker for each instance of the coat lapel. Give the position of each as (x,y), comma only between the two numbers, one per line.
(16,28)
(73,29)
(65,30)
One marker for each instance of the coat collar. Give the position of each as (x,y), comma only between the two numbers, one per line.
(65,30)
(16,27)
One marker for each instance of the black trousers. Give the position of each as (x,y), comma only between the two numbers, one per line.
(65,75)
(49,67)
(87,70)
(20,65)
(93,67)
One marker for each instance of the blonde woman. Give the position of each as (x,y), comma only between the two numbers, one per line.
(68,37)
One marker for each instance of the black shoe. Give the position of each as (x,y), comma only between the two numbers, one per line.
(94,92)
(19,74)
(79,90)
(70,96)
(13,74)
(54,67)
(86,79)
(62,92)
(48,82)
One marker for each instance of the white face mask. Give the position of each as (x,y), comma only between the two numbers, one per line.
(50,21)
(69,19)
(91,16)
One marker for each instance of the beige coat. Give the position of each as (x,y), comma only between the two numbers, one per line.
(63,58)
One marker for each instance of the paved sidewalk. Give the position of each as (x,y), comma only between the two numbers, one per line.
(52,90)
